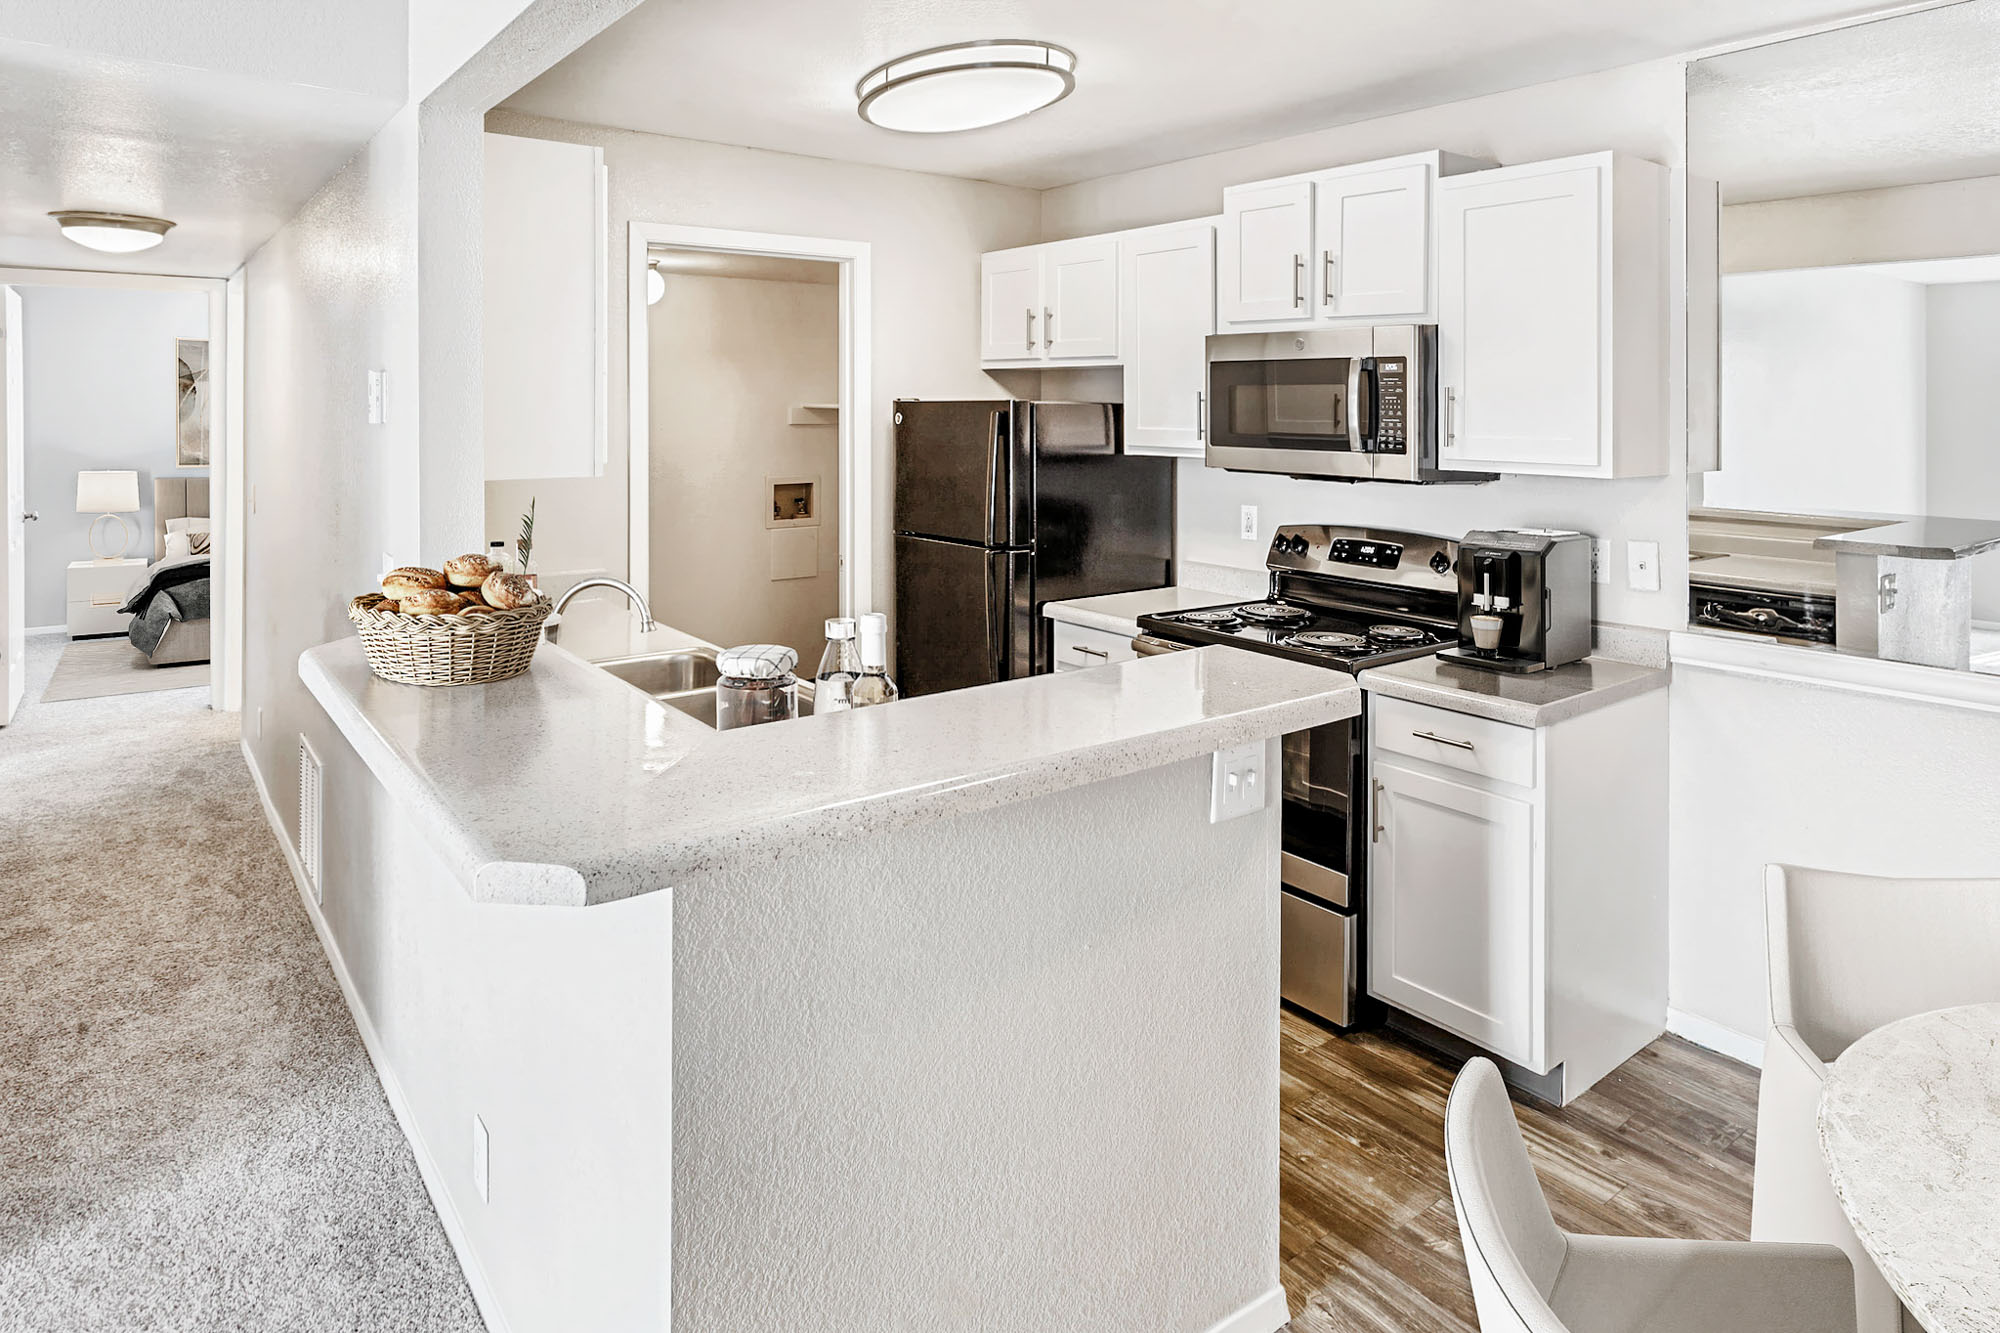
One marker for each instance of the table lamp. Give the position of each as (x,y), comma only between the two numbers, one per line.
(108,495)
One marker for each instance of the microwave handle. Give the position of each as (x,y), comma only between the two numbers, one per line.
(1362,409)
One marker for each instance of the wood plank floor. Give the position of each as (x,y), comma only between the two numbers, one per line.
(1368,1238)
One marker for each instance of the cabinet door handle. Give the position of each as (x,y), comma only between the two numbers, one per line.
(1442,740)
(1048,327)
(1377,820)
(1451,418)
(1090,652)
(1331,270)
(1031,330)
(1298,279)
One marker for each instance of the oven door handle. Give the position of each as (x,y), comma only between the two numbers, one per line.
(1147,645)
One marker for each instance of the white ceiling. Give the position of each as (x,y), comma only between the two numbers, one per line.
(224,117)
(1157,80)
(1903,101)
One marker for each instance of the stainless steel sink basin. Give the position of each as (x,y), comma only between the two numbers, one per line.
(683,679)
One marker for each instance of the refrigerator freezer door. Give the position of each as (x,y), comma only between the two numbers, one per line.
(1102,525)
(959,613)
(957,472)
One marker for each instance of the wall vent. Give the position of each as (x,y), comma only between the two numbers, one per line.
(311,810)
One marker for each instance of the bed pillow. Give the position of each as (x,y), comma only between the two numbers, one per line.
(179,546)
(195,527)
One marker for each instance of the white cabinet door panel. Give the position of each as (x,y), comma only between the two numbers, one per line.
(1374,243)
(1266,234)
(1453,921)
(1167,282)
(1080,299)
(1010,305)
(1520,314)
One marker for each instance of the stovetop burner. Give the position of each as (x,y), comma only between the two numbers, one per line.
(1329,641)
(1273,613)
(1397,634)
(1220,617)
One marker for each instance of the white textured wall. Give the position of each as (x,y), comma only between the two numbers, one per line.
(994,1072)
(927,233)
(1963,426)
(99,389)
(1767,771)
(1636,110)
(730,358)
(1823,392)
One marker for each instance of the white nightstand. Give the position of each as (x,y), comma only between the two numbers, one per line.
(97,588)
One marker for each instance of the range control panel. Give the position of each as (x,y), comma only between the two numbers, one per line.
(1381,555)
(1392,398)
(1377,555)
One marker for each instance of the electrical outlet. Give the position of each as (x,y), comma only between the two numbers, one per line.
(1248,523)
(1237,786)
(1600,560)
(378,397)
(482,1160)
(1642,566)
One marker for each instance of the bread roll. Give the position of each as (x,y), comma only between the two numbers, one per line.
(400,583)
(472,596)
(432,602)
(508,591)
(468,571)
(384,604)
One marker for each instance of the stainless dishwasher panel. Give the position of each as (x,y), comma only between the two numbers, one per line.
(1318,956)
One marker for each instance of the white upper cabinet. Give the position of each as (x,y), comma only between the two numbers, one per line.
(1167,282)
(1373,242)
(1553,317)
(1080,299)
(1267,232)
(1010,305)
(545,239)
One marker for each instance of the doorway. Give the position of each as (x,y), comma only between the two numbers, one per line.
(752,478)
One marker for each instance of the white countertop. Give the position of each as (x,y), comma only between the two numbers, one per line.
(1537,699)
(567,786)
(1119,612)
(1764,573)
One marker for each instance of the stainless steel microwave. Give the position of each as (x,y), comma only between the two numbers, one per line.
(1347,404)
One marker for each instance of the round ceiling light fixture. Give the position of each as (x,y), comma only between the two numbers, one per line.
(113,233)
(965,86)
(656,286)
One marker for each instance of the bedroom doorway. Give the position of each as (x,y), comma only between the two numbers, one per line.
(120,413)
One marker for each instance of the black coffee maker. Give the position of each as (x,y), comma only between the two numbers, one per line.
(1523,600)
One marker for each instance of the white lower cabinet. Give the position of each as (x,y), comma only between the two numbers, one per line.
(1517,881)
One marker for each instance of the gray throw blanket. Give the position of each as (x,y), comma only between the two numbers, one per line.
(172,590)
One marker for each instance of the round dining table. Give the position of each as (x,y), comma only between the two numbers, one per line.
(1909,1123)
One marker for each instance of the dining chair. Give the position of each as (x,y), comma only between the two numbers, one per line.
(1849,953)
(1529,1276)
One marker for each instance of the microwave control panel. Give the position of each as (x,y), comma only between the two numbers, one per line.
(1392,397)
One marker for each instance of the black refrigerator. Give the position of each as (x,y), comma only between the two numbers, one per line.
(1002,507)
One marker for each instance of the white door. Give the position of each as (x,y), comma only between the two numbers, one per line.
(1452,927)
(1520,313)
(1080,298)
(1374,243)
(1261,260)
(1168,278)
(13,555)
(1010,304)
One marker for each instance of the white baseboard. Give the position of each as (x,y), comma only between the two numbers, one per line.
(475,1274)
(1267,1314)
(46,629)
(1706,1032)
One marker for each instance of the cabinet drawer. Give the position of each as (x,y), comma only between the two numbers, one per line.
(1081,646)
(1470,744)
(87,619)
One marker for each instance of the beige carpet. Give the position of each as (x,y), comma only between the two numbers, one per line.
(191,1135)
(96,668)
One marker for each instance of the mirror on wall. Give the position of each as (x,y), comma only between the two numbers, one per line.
(1859,174)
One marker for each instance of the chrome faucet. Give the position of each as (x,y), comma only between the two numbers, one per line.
(646,624)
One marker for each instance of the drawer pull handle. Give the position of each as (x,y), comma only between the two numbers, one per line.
(107,601)
(1377,821)
(1092,652)
(1442,740)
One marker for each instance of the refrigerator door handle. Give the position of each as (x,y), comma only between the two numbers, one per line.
(998,515)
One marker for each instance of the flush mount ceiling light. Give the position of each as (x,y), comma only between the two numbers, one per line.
(113,233)
(965,86)
(656,286)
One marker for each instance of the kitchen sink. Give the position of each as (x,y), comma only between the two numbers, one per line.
(684,679)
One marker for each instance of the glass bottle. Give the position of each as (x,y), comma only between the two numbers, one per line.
(839,667)
(757,685)
(874,685)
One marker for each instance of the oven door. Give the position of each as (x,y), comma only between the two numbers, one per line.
(1301,404)
(1321,873)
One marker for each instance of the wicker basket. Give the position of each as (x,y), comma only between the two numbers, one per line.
(447,650)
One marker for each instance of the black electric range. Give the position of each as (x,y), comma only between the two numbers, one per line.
(1347,599)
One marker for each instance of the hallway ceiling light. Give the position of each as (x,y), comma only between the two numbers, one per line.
(965,86)
(656,286)
(113,233)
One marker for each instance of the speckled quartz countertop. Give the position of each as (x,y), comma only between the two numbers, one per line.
(1538,699)
(1119,612)
(567,786)
(1909,1124)
(1918,539)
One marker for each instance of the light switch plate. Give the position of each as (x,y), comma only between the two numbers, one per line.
(378,397)
(1248,523)
(1642,566)
(1237,786)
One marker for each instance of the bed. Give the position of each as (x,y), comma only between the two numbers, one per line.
(170,605)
